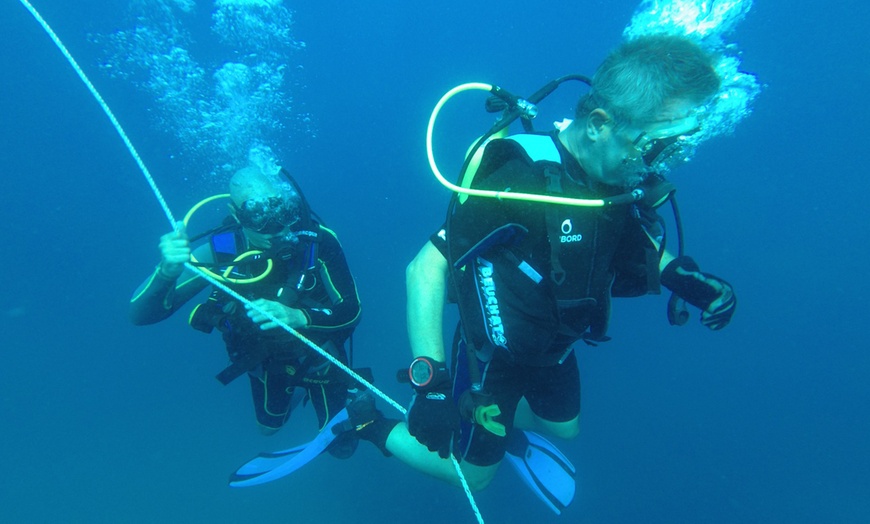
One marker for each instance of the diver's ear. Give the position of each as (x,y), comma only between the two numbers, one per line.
(597,123)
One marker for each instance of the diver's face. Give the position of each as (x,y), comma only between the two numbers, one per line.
(630,152)
(262,240)
(266,220)
(620,163)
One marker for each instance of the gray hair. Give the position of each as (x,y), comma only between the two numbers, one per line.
(639,78)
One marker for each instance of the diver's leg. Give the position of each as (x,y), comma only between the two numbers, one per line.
(407,449)
(482,450)
(552,402)
(527,419)
(271,393)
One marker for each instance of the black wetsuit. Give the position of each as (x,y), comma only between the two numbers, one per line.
(276,362)
(527,296)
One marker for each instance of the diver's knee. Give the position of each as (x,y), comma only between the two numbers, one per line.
(478,477)
(570,432)
(566,430)
(477,485)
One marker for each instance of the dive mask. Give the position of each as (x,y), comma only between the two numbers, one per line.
(667,144)
(267,215)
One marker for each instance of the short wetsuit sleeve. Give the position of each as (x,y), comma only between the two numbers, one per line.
(344,309)
(439,240)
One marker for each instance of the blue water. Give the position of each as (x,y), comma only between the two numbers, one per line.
(766,421)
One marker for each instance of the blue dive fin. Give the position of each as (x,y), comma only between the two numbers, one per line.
(544,468)
(267,467)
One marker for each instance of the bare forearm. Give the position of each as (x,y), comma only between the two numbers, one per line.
(426,279)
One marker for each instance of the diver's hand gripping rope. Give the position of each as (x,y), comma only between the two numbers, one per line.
(217,283)
(197,270)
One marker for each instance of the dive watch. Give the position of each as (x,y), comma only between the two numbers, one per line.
(421,371)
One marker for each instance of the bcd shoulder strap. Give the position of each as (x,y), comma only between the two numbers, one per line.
(543,152)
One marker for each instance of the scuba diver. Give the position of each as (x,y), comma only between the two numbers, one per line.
(273,251)
(532,279)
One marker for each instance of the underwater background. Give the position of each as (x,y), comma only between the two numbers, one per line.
(101,421)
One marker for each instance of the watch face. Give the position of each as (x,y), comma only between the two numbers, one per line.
(421,372)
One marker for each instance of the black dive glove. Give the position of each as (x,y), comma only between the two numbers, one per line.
(433,418)
(712,295)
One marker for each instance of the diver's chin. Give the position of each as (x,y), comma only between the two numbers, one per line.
(632,174)
(280,243)
(636,182)
(631,182)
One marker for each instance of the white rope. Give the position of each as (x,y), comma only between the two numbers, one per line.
(104,105)
(204,275)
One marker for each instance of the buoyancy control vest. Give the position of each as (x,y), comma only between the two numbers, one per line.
(294,280)
(541,281)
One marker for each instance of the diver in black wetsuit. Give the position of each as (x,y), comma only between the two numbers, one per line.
(297,273)
(533,277)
